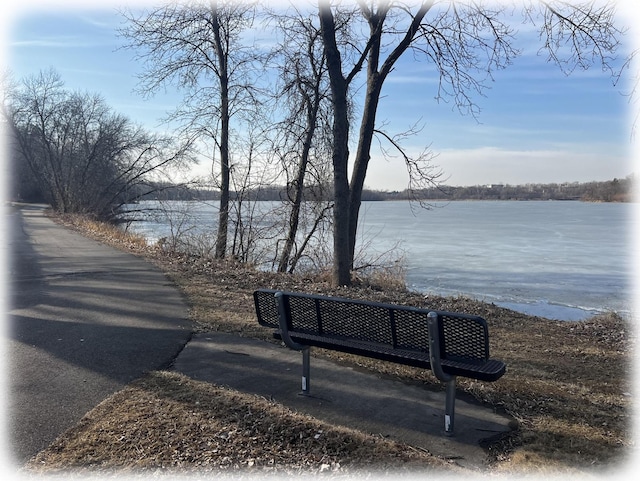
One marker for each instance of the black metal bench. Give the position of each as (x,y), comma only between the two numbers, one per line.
(450,344)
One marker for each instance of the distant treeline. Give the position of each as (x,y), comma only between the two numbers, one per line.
(616,190)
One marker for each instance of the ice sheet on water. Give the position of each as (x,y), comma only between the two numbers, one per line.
(549,311)
(560,260)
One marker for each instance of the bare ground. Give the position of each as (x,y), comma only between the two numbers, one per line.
(568,384)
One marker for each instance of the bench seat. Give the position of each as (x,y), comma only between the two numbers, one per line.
(490,370)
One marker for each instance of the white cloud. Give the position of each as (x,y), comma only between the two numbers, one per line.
(52,42)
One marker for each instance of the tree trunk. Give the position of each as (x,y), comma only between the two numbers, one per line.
(363,156)
(376,76)
(294,217)
(312,106)
(341,274)
(223,214)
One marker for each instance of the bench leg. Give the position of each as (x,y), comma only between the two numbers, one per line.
(450,407)
(306,369)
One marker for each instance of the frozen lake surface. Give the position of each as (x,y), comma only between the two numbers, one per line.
(560,260)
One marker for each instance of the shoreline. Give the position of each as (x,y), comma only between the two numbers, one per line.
(553,311)
(544,308)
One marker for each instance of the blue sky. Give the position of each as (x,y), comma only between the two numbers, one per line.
(535,124)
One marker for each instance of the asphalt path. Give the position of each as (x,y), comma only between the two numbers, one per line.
(83,321)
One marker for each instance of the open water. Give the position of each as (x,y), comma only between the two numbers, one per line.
(560,260)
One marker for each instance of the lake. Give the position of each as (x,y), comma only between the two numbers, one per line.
(562,260)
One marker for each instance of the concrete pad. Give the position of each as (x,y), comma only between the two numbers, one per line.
(343,395)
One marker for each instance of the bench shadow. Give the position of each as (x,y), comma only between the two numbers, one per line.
(81,322)
(341,395)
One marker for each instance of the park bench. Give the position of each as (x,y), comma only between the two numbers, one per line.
(450,344)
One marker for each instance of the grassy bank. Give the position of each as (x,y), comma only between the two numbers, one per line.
(568,384)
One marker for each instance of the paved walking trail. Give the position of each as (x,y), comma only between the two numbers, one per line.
(86,319)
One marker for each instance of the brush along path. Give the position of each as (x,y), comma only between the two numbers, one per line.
(568,383)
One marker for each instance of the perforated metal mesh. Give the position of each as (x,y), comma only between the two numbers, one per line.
(266,308)
(393,333)
(411,329)
(340,319)
(464,337)
(303,314)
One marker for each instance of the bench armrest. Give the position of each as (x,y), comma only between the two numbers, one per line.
(433,326)
(284,326)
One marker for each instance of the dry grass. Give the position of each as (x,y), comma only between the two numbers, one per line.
(167,423)
(568,383)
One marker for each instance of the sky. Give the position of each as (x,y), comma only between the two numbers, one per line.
(535,125)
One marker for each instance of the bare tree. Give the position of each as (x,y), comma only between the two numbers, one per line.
(250,231)
(199,47)
(303,143)
(84,157)
(464,41)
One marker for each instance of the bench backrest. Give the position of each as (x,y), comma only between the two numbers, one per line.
(462,337)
